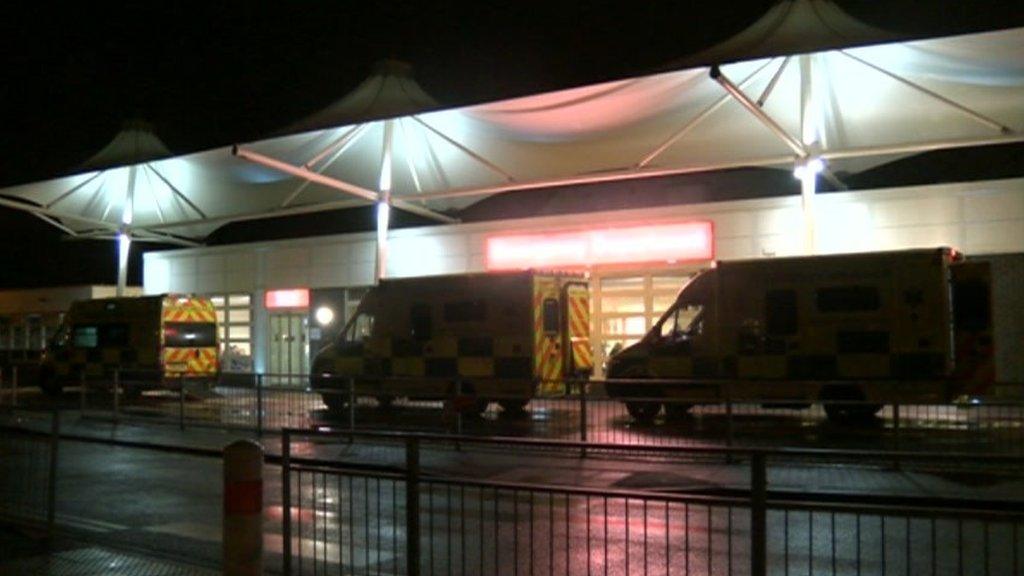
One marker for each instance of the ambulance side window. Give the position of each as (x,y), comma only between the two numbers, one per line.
(780,312)
(114,335)
(361,329)
(85,337)
(421,321)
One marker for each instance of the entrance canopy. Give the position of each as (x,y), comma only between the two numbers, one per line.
(842,107)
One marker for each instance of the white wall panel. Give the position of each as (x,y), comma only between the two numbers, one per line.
(994,206)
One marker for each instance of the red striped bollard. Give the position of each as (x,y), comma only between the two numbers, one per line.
(243,509)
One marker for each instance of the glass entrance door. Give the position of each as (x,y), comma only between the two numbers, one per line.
(289,351)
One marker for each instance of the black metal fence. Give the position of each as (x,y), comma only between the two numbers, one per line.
(341,518)
(581,411)
(28,482)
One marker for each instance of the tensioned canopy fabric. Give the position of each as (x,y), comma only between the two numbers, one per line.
(859,105)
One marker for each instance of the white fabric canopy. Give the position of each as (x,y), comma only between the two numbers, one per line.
(853,107)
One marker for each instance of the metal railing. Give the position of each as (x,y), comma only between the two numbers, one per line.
(583,411)
(28,482)
(343,517)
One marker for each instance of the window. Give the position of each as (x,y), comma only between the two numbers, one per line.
(848,299)
(550,315)
(234,316)
(421,324)
(361,328)
(780,312)
(190,335)
(971,306)
(684,322)
(85,337)
(465,311)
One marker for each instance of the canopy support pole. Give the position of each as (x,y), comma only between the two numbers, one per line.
(74,189)
(384,204)
(694,122)
(490,165)
(340,146)
(753,108)
(124,244)
(977,116)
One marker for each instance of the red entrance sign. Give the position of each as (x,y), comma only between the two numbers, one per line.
(295,298)
(682,242)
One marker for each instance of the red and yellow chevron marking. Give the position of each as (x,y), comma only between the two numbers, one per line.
(579,327)
(188,309)
(547,355)
(190,361)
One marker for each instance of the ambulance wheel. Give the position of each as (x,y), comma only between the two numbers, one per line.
(643,412)
(848,405)
(385,402)
(514,405)
(676,411)
(49,383)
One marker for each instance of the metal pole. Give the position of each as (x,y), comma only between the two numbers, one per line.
(51,486)
(259,404)
(412,506)
(758,515)
(81,391)
(117,393)
(897,427)
(286,501)
(458,407)
(584,419)
(729,433)
(181,401)
(351,403)
(14,386)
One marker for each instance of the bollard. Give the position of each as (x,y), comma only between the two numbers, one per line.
(51,485)
(243,509)
(412,506)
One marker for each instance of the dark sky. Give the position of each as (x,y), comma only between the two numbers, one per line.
(216,73)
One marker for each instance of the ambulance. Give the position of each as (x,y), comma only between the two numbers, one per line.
(151,340)
(852,331)
(492,337)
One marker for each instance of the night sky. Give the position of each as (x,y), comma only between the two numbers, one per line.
(222,72)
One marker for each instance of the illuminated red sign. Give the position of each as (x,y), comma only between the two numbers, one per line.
(682,242)
(295,298)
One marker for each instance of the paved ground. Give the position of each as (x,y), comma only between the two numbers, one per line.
(26,554)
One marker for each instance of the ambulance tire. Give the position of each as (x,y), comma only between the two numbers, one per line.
(850,406)
(49,383)
(642,411)
(514,406)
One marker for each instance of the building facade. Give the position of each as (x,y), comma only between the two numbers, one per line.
(279,301)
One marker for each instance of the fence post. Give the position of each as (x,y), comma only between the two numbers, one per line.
(758,515)
(412,506)
(117,393)
(897,426)
(259,405)
(286,501)
(729,432)
(181,401)
(81,392)
(51,485)
(583,415)
(242,551)
(14,386)
(457,403)
(351,403)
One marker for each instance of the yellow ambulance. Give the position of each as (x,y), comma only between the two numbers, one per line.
(853,331)
(498,336)
(150,340)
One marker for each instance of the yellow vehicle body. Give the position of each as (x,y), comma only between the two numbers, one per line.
(880,327)
(150,339)
(498,336)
